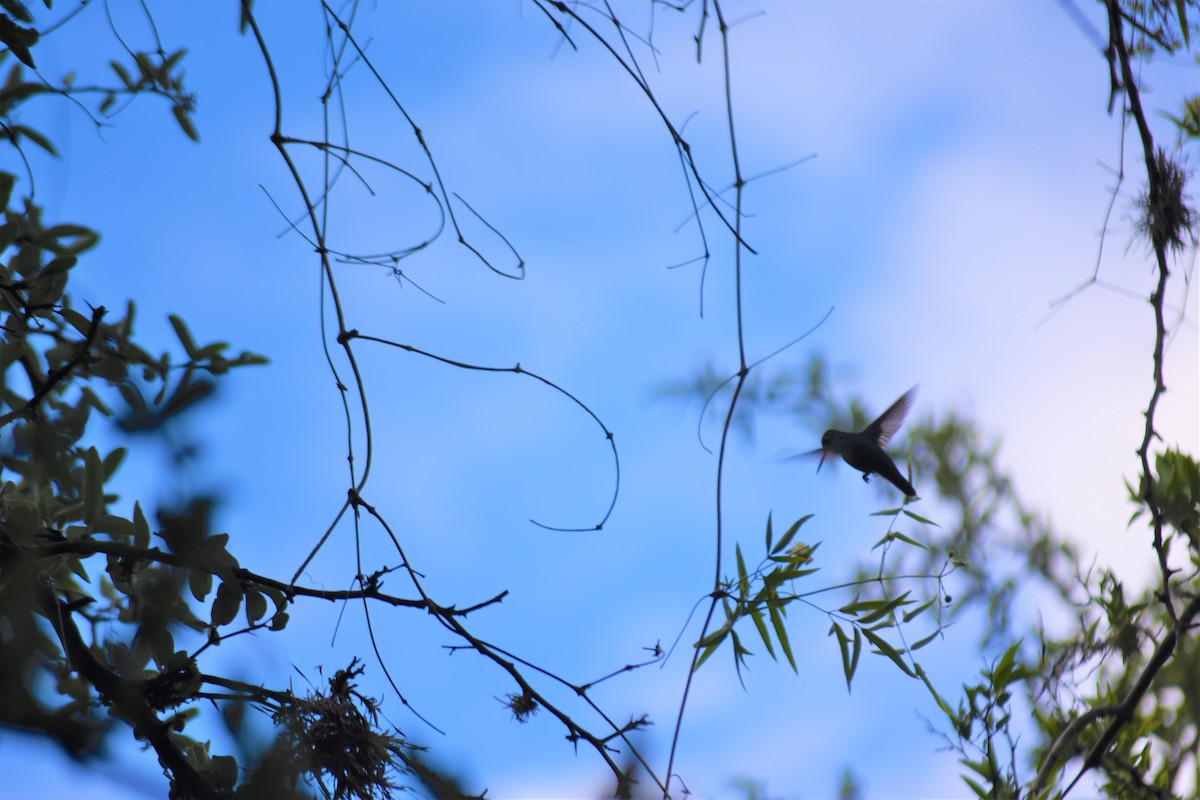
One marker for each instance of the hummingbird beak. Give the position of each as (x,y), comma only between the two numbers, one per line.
(823,453)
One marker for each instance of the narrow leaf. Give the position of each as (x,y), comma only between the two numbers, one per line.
(761,625)
(843,645)
(93,487)
(184,336)
(922,642)
(1002,672)
(907,540)
(920,519)
(791,533)
(122,74)
(856,651)
(35,137)
(184,117)
(886,649)
(781,635)
(912,614)
(141,530)
(743,581)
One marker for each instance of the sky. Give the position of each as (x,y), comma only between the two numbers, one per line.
(963,165)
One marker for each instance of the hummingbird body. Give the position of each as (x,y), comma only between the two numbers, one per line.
(864,450)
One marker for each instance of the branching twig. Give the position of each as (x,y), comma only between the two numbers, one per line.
(1154,178)
(127,701)
(56,376)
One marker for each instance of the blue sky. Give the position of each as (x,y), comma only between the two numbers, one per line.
(958,188)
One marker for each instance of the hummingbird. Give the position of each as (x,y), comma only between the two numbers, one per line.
(864,450)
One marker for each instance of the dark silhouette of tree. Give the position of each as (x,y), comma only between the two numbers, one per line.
(109,617)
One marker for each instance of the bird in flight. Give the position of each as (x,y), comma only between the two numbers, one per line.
(864,450)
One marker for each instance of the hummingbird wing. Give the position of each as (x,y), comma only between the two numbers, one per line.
(820,453)
(806,456)
(883,429)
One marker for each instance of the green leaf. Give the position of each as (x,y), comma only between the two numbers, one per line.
(95,402)
(913,613)
(76,565)
(76,320)
(212,350)
(200,583)
(982,768)
(770,535)
(113,525)
(761,625)
(184,118)
(907,540)
(57,267)
(886,649)
(112,461)
(35,137)
(159,641)
(122,74)
(256,607)
(17,9)
(708,651)
(871,610)
(141,530)
(1002,673)
(277,597)
(886,609)
(170,61)
(743,580)
(739,653)
(791,533)
(781,635)
(855,651)
(133,398)
(975,787)
(920,519)
(52,239)
(93,487)
(712,641)
(18,39)
(715,637)
(844,646)
(225,606)
(184,336)
(937,697)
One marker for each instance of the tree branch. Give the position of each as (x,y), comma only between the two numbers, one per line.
(58,375)
(1124,712)
(125,698)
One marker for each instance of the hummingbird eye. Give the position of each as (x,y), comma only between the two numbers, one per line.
(825,439)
